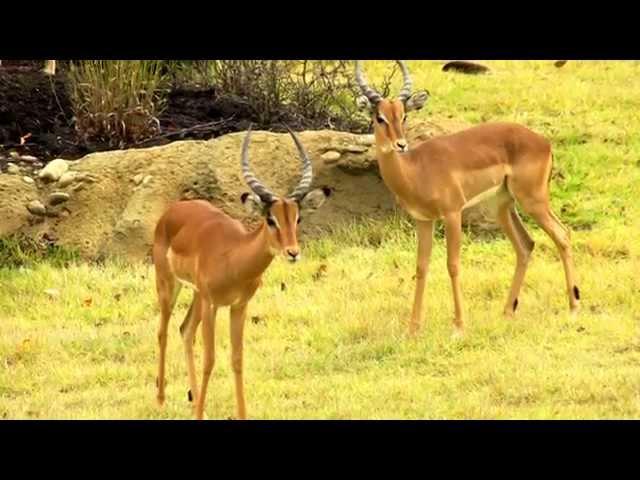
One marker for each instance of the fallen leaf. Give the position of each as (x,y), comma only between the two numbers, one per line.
(256,319)
(117,296)
(322,270)
(283,286)
(87,302)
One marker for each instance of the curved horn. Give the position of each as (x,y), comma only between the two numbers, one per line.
(405,93)
(254,184)
(307,171)
(373,96)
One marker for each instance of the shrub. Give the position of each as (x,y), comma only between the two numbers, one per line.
(117,102)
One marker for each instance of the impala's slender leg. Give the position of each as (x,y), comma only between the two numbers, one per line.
(560,235)
(167,294)
(208,318)
(188,331)
(522,244)
(425,242)
(453,232)
(237,316)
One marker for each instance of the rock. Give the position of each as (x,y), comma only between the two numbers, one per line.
(26,179)
(15,155)
(138,178)
(356,148)
(330,157)
(52,292)
(28,158)
(36,207)
(463,66)
(57,198)
(366,139)
(13,169)
(68,178)
(54,170)
(146,179)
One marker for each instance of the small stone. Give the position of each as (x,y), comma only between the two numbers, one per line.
(138,179)
(355,148)
(52,292)
(54,170)
(146,179)
(366,139)
(77,187)
(26,179)
(331,156)
(68,178)
(57,198)
(14,155)
(13,169)
(36,208)
(28,158)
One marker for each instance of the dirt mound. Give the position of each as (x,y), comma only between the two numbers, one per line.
(108,203)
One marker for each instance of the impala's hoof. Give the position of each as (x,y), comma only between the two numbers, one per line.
(457,334)
(160,400)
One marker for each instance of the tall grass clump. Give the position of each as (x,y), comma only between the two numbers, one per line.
(117,102)
(316,93)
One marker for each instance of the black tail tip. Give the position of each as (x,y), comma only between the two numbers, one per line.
(190,396)
(576,293)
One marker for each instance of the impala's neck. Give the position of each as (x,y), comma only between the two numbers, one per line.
(395,168)
(256,255)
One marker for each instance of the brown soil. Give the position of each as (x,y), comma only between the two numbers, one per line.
(36,116)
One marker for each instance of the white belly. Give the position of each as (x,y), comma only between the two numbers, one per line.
(172,258)
(481,197)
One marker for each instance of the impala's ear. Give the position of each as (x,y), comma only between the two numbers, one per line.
(364,104)
(416,101)
(314,199)
(252,203)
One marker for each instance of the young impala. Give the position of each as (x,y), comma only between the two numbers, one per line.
(199,246)
(440,177)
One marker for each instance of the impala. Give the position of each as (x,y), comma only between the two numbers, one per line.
(439,178)
(199,246)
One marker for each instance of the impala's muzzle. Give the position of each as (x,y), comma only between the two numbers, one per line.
(293,254)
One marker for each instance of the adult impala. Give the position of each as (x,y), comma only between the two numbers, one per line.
(439,178)
(199,246)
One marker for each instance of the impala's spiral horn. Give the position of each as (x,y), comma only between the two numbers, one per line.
(373,96)
(307,171)
(254,184)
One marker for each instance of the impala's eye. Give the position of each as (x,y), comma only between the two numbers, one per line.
(379,119)
(271,222)
(299,218)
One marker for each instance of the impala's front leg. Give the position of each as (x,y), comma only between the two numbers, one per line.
(237,317)
(208,319)
(425,242)
(453,232)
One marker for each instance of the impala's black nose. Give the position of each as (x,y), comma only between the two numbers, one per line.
(293,254)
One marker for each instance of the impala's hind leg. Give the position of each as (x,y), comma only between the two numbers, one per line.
(560,235)
(167,290)
(188,332)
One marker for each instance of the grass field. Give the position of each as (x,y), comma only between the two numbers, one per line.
(333,346)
